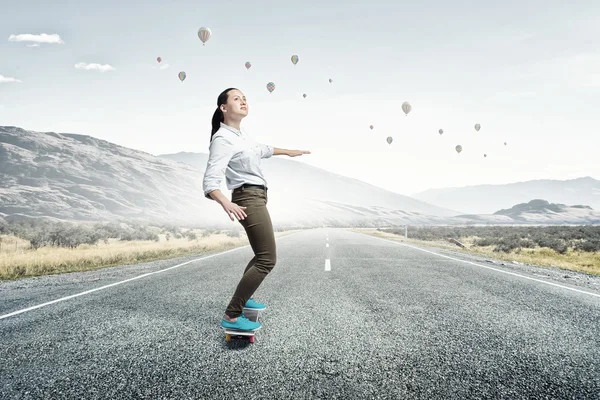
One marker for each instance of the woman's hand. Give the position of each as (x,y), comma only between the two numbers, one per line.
(232,208)
(295,153)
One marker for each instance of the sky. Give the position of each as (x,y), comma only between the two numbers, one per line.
(527,71)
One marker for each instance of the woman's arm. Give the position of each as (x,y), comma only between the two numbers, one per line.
(278,152)
(291,153)
(221,151)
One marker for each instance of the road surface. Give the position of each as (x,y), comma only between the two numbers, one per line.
(349,316)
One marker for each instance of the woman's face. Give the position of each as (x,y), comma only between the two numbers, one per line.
(236,105)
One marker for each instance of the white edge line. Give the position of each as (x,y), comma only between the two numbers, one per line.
(485,266)
(126,280)
(327,265)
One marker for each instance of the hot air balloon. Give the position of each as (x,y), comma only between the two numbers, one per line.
(389,139)
(182,76)
(485,155)
(477,127)
(330,80)
(304,95)
(505,143)
(295,59)
(458,148)
(441,131)
(204,34)
(270,87)
(371,126)
(248,65)
(158,59)
(406,107)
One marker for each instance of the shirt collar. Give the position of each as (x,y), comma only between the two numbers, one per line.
(232,129)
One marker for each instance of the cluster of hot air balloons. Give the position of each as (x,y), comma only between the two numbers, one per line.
(204,34)
(271,85)
(406,107)
(459,148)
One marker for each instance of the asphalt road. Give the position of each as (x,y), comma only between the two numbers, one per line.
(380,320)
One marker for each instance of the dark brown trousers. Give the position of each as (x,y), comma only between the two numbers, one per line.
(260,233)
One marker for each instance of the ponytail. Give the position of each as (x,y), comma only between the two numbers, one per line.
(218,116)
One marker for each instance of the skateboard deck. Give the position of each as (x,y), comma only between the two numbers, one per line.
(233,333)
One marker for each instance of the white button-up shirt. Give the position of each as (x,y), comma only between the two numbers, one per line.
(233,153)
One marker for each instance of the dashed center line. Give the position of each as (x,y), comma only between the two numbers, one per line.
(327,265)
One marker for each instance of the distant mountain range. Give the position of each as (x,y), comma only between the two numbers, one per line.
(486,199)
(537,211)
(75,176)
(78,177)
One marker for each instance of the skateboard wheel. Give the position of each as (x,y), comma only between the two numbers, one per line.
(228,337)
(251,339)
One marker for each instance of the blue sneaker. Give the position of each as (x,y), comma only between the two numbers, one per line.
(241,324)
(254,305)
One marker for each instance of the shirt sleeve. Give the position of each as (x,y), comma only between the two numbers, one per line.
(266,150)
(220,152)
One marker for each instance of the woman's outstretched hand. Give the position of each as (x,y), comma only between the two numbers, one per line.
(295,153)
(233,209)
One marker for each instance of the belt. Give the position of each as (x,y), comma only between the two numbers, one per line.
(249,185)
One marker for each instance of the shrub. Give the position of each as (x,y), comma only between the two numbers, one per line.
(191,235)
(588,245)
(233,233)
(483,242)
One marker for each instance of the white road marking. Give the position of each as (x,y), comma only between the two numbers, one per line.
(327,265)
(327,245)
(485,266)
(126,280)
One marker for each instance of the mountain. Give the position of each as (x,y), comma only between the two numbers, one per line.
(536,211)
(72,176)
(486,199)
(79,177)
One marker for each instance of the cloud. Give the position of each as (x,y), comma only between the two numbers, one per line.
(94,66)
(7,79)
(33,45)
(164,66)
(43,38)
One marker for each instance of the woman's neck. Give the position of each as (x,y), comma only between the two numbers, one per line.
(232,123)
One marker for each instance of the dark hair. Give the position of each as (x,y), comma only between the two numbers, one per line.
(218,116)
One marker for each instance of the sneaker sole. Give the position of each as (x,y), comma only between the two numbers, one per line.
(241,332)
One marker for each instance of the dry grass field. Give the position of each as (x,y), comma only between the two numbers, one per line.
(575,260)
(18,260)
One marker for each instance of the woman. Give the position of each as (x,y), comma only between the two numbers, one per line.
(235,154)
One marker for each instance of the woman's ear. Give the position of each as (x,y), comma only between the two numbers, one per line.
(223,109)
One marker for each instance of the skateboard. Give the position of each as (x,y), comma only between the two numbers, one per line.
(252,315)
(232,333)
